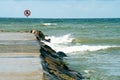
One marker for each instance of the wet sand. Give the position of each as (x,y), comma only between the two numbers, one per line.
(19,57)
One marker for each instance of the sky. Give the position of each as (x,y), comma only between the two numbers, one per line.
(61,8)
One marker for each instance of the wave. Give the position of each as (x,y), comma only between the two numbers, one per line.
(81,48)
(96,41)
(49,24)
(61,39)
(70,49)
(61,43)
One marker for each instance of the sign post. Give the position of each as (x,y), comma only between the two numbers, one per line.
(27,13)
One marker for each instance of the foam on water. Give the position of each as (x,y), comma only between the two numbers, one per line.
(60,44)
(70,49)
(62,39)
(49,24)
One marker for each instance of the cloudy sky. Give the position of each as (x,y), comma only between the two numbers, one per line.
(61,8)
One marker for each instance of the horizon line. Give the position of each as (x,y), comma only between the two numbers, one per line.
(63,18)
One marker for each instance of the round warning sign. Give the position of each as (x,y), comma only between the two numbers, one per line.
(27,13)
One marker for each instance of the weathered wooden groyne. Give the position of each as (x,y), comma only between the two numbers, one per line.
(53,64)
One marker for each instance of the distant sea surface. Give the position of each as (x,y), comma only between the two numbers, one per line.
(92,45)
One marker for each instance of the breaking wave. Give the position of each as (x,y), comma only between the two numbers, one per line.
(61,39)
(96,41)
(49,24)
(62,43)
(70,49)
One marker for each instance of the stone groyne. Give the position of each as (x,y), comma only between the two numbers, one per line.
(54,66)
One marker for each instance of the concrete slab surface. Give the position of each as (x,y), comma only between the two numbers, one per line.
(19,57)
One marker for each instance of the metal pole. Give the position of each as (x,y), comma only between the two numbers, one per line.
(27,24)
(27,13)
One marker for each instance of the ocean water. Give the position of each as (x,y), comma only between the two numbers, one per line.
(92,45)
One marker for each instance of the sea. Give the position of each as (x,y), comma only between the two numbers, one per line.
(92,45)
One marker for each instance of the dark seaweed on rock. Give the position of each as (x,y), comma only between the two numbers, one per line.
(53,64)
(61,54)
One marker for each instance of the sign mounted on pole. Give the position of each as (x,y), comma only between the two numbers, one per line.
(27,13)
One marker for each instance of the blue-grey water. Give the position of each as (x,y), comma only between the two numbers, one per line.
(92,45)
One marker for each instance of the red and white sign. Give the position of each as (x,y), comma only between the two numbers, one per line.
(27,13)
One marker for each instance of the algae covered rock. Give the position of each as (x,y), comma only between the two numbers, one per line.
(54,65)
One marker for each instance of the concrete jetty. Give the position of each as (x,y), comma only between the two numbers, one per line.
(19,57)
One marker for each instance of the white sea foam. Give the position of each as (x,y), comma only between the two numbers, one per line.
(59,44)
(62,39)
(70,49)
(49,24)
